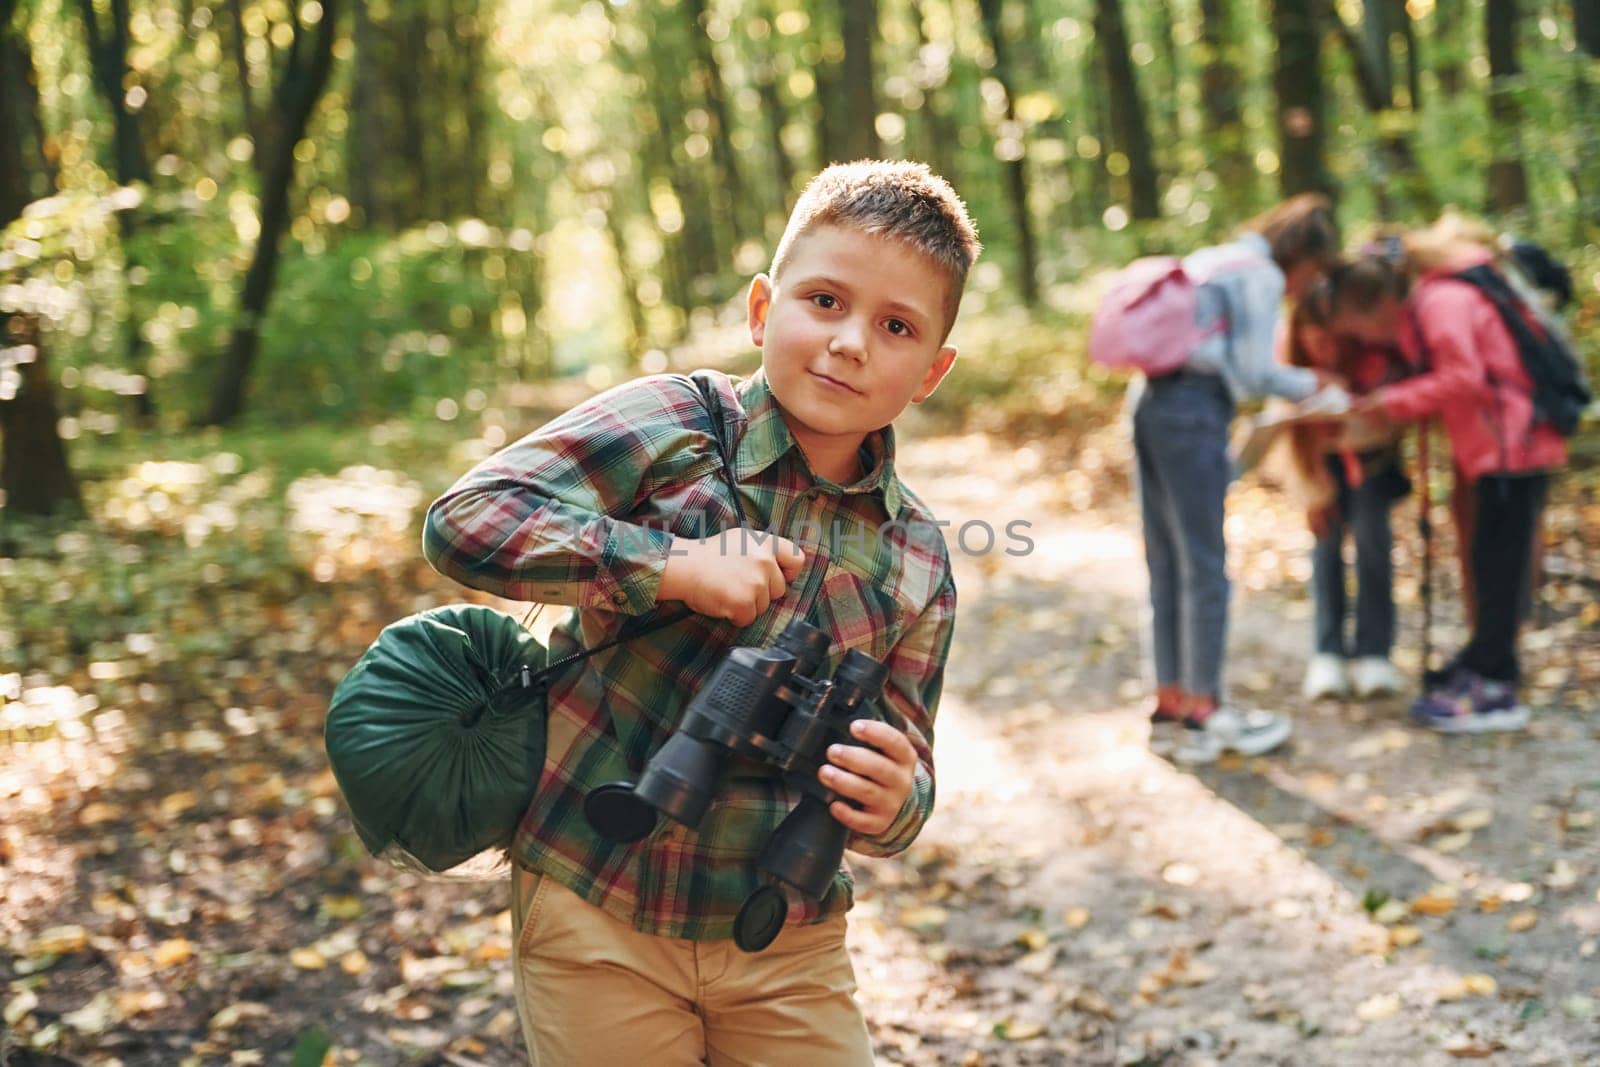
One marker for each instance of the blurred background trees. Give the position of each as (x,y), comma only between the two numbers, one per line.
(324,210)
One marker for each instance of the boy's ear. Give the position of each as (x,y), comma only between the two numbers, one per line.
(760,302)
(930,381)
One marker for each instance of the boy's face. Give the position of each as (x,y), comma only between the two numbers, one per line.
(849,335)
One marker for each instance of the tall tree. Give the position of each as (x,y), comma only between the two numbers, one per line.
(1586,25)
(662,72)
(365,141)
(1448,50)
(1400,14)
(637,54)
(1375,30)
(1399,183)
(1297,81)
(34,473)
(1221,89)
(938,135)
(463,118)
(1128,123)
(1011,148)
(25,174)
(108,59)
(1169,102)
(713,91)
(774,112)
(858,25)
(298,87)
(1508,178)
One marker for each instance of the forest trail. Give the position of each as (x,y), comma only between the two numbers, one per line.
(1077,899)
(178,884)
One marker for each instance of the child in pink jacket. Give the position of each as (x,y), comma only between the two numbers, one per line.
(1471,376)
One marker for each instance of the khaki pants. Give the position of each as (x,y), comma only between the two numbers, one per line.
(593,990)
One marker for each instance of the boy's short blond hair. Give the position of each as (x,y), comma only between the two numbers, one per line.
(901,200)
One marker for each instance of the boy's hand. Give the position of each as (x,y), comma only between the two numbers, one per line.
(733,576)
(878,779)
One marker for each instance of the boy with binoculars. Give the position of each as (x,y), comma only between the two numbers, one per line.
(625,923)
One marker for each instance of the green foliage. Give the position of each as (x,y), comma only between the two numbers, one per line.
(372,325)
(204,527)
(381,325)
(583,137)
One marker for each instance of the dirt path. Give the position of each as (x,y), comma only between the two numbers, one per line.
(178,885)
(1079,900)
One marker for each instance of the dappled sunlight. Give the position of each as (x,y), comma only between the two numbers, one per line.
(1140,905)
(969,762)
(351,520)
(194,500)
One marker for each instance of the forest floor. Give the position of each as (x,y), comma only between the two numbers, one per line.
(178,884)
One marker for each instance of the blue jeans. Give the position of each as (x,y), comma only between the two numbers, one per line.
(1180,442)
(1364,512)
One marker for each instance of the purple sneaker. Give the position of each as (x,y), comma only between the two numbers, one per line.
(1470,704)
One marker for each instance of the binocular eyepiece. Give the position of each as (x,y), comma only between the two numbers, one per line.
(767,704)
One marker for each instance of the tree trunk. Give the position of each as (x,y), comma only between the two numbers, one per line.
(829,133)
(1508,180)
(1408,33)
(731,191)
(467,62)
(1399,184)
(776,117)
(1586,177)
(1128,124)
(365,142)
(858,24)
(640,62)
(35,477)
(638,339)
(1375,39)
(697,238)
(294,98)
(937,130)
(1220,90)
(108,55)
(422,202)
(1010,147)
(1586,25)
(1091,90)
(1170,107)
(24,173)
(34,473)
(247,96)
(1297,81)
(1447,47)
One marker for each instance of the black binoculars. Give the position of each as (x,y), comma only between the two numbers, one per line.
(764,703)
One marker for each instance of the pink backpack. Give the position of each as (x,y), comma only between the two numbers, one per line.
(1146,320)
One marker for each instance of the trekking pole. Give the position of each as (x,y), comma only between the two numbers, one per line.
(1425,529)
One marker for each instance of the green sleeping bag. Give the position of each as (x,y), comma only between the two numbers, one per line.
(437,739)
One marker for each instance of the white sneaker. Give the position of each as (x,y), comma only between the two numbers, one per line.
(1325,677)
(1373,676)
(1248,733)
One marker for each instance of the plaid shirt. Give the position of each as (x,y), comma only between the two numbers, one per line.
(582,512)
